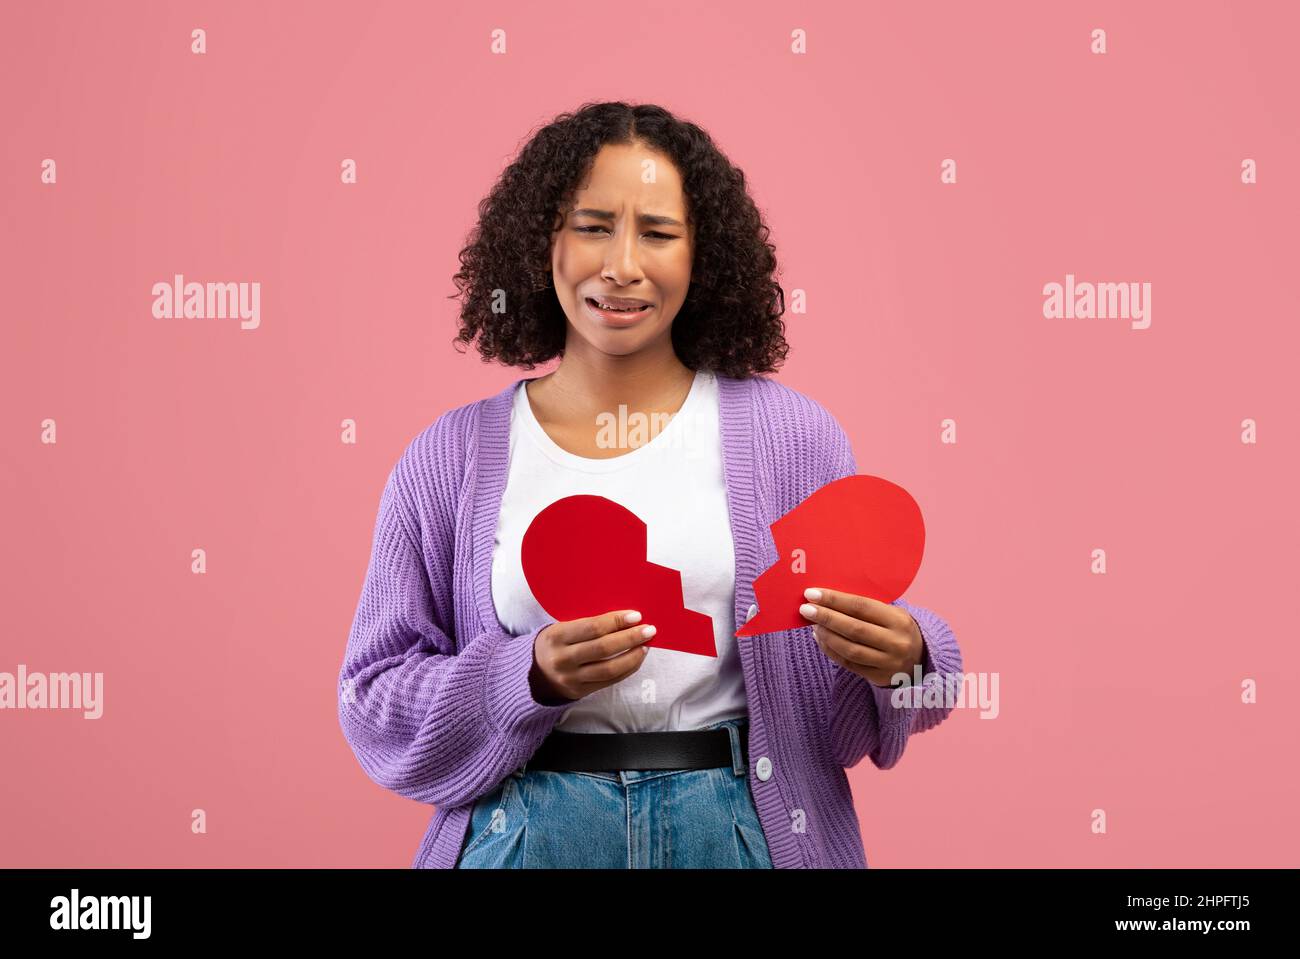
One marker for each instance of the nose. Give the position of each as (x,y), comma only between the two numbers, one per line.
(622,258)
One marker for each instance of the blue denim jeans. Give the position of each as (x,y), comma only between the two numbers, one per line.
(630,819)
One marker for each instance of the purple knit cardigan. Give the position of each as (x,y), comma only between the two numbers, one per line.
(434,696)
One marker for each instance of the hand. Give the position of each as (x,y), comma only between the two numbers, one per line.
(579,656)
(873,639)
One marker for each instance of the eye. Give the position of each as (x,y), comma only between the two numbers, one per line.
(654,233)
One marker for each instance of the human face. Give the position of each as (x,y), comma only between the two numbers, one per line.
(623,237)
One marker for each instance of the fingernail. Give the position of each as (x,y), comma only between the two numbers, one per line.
(807,610)
(632,617)
(813,594)
(647,631)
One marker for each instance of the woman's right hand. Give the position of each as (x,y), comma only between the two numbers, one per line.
(579,656)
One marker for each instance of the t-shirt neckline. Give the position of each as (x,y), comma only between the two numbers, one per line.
(586,464)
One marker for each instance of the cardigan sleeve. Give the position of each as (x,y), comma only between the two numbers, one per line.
(425,721)
(874,721)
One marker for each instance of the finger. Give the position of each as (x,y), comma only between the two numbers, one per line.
(868,634)
(861,607)
(593,627)
(846,652)
(603,647)
(829,653)
(607,672)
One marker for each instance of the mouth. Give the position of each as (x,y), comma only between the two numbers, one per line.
(619,312)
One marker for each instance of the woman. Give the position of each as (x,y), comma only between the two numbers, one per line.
(624,242)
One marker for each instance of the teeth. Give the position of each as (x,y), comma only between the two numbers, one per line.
(618,309)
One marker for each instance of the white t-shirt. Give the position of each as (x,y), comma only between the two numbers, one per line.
(675,483)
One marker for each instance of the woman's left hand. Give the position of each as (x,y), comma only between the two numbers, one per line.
(873,639)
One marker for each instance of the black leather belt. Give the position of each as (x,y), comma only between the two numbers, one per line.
(600,752)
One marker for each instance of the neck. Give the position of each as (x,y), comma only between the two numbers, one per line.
(588,380)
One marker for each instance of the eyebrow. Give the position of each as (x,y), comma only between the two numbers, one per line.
(649,218)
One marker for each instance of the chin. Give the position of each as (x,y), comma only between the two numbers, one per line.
(621,347)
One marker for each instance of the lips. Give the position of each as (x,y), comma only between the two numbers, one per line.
(627,311)
(621,302)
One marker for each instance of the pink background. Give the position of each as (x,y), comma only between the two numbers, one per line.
(1119,692)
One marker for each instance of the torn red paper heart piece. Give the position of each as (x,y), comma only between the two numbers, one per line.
(586,555)
(858,534)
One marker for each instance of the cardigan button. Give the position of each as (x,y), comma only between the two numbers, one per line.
(750,615)
(763,769)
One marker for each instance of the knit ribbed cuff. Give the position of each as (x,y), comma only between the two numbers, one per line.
(508,697)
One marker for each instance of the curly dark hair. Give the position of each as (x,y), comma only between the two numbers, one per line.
(730,322)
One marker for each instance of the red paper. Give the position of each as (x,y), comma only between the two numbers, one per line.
(586,555)
(859,534)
